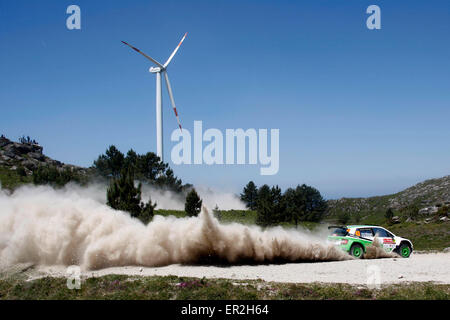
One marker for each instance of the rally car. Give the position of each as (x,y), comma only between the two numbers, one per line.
(356,239)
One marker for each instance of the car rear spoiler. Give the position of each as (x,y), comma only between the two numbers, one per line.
(333,227)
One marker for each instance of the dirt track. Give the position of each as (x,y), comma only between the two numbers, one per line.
(433,267)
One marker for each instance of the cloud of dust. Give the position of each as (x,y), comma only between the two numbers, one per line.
(167,199)
(170,200)
(376,251)
(73,226)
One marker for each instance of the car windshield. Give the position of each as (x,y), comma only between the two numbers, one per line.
(339,232)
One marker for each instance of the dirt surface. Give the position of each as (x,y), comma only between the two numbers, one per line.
(434,267)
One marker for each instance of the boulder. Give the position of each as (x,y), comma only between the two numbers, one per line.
(428,210)
(4,142)
(444,219)
(36,155)
(8,153)
(37,148)
(395,219)
(30,164)
(19,148)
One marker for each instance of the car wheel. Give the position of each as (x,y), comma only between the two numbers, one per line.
(404,250)
(357,251)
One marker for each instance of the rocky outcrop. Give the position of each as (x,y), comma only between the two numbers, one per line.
(428,196)
(29,156)
(428,210)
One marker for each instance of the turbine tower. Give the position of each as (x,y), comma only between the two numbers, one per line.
(159,69)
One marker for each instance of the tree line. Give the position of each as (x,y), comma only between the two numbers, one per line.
(147,168)
(113,164)
(303,203)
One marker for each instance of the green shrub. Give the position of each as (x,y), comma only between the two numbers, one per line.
(193,204)
(344,217)
(56,177)
(123,195)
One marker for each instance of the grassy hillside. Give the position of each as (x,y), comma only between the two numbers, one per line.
(10,179)
(433,192)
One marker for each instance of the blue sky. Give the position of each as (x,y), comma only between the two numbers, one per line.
(361,112)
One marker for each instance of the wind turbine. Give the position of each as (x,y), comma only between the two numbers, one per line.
(158,70)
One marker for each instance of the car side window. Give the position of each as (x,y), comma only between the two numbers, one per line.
(390,235)
(380,233)
(366,233)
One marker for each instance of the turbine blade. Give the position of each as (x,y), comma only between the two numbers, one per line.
(172,101)
(148,57)
(174,51)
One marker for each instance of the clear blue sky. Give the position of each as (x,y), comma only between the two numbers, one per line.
(360,112)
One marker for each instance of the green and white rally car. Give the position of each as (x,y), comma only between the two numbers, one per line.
(355,240)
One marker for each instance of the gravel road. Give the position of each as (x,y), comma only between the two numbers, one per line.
(434,267)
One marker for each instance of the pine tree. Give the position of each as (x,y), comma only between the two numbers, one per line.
(250,195)
(193,204)
(278,206)
(170,181)
(264,206)
(111,163)
(313,202)
(123,195)
(295,204)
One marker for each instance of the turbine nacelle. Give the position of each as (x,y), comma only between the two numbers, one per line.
(155,69)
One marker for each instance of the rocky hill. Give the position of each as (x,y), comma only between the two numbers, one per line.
(27,156)
(427,196)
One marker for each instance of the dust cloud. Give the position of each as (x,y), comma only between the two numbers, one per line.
(211,198)
(73,225)
(376,251)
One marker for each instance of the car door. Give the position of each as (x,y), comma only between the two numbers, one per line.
(386,239)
